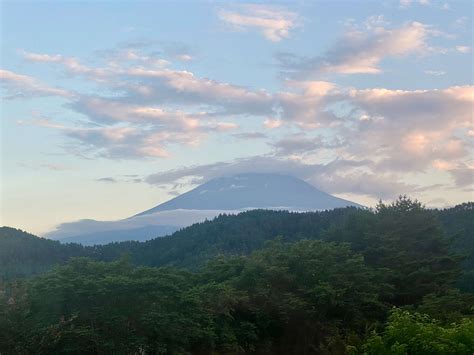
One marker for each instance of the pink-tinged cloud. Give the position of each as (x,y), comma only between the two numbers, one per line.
(306,104)
(361,50)
(275,23)
(397,131)
(21,86)
(411,130)
(463,49)
(272,123)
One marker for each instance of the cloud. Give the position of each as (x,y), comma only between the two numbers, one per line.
(42,58)
(298,145)
(54,167)
(72,65)
(272,123)
(463,175)
(118,142)
(153,60)
(183,87)
(168,50)
(135,131)
(140,117)
(461,22)
(409,130)
(23,86)
(128,142)
(107,180)
(306,104)
(463,49)
(48,166)
(250,135)
(147,110)
(407,3)
(435,72)
(177,218)
(338,176)
(111,110)
(152,84)
(360,51)
(273,22)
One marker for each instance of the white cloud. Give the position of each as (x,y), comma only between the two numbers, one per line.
(407,3)
(178,218)
(273,22)
(435,72)
(463,49)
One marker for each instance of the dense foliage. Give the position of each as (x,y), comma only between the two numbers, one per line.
(23,254)
(414,333)
(458,223)
(387,281)
(280,299)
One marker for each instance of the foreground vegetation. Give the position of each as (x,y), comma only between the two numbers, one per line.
(390,281)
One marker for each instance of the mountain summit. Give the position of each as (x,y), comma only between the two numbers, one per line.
(250,191)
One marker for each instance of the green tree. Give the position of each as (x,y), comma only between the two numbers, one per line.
(405,242)
(303,296)
(415,333)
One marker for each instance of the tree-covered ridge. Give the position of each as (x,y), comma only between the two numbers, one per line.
(23,254)
(241,234)
(190,247)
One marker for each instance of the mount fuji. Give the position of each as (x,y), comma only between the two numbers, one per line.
(230,194)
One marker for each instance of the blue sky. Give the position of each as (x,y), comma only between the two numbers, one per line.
(109,108)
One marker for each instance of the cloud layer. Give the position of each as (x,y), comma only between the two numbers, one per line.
(372,141)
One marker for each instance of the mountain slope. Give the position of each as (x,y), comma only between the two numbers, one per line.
(250,191)
(221,195)
(120,235)
(24,254)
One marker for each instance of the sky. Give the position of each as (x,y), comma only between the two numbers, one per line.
(110,108)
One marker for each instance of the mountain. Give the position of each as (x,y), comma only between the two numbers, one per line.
(231,194)
(24,254)
(254,191)
(120,235)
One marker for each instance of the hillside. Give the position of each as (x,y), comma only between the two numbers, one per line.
(24,254)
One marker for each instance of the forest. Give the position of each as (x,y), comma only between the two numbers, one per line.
(396,279)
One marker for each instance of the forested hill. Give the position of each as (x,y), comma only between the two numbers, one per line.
(238,234)
(348,281)
(23,254)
